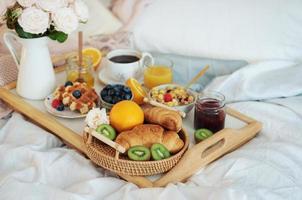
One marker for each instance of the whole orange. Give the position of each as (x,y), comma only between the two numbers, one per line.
(125,115)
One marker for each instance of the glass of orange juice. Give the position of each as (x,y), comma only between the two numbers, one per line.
(158,73)
(81,73)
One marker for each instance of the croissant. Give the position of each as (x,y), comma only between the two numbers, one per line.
(172,141)
(169,119)
(149,134)
(146,134)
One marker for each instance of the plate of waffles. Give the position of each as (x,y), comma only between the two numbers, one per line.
(72,100)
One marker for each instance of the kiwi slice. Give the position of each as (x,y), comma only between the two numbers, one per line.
(139,153)
(202,134)
(159,152)
(107,131)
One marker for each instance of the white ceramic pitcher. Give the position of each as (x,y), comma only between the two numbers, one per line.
(36,77)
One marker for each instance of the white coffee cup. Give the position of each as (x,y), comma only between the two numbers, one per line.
(133,68)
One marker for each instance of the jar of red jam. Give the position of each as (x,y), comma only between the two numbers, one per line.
(210,111)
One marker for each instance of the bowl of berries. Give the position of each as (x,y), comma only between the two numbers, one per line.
(112,94)
(174,95)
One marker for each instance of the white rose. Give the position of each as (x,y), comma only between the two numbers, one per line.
(51,5)
(81,10)
(26,3)
(34,20)
(65,20)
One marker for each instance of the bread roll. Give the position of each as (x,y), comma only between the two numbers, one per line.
(169,119)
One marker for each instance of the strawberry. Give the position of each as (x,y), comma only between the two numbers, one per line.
(168,97)
(55,103)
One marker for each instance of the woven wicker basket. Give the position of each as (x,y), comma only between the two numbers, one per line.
(106,157)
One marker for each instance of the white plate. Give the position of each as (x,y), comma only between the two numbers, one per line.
(104,77)
(66,113)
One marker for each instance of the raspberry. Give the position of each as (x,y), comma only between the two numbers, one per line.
(55,103)
(168,97)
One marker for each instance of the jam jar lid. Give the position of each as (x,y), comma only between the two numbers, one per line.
(216,100)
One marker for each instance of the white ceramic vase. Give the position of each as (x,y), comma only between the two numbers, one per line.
(36,77)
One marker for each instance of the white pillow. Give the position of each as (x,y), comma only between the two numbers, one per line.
(127,11)
(251,30)
(101,20)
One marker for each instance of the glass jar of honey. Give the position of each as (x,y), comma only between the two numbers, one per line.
(210,111)
(80,72)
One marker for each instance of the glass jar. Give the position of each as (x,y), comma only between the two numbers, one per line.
(210,111)
(81,73)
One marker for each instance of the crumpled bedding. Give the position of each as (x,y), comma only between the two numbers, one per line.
(35,165)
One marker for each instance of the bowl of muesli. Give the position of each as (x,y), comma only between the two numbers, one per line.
(174,95)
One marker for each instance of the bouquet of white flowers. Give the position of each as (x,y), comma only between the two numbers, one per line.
(38,18)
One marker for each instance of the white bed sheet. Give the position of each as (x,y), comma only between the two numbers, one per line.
(34,165)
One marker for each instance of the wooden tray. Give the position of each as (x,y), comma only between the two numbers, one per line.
(194,159)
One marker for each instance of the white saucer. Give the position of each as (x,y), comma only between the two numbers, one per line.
(67,113)
(105,78)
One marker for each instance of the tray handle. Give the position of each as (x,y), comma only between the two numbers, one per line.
(211,149)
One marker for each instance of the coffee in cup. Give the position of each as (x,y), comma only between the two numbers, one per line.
(124,59)
(122,64)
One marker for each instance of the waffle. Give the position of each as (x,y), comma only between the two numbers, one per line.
(84,103)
